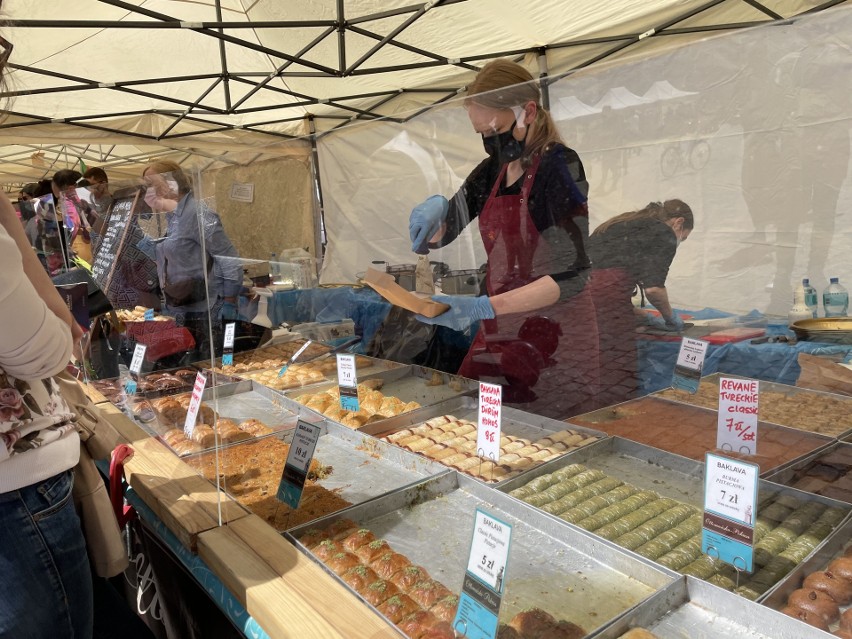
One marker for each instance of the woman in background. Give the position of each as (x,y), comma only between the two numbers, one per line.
(634,249)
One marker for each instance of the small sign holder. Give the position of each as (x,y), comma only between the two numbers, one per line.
(690,362)
(295,473)
(730,502)
(347,382)
(131,385)
(736,427)
(228,346)
(485,578)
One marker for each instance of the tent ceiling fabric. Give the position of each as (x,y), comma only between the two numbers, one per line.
(211,78)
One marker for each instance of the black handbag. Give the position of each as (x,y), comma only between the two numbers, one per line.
(97,302)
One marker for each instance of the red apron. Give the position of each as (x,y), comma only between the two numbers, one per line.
(612,289)
(547,359)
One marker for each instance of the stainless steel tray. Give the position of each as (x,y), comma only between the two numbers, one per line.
(564,571)
(692,609)
(831,548)
(408,383)
(777,387)
(363,467)
(374,366)
(787,475)
(602,416)
(668,474)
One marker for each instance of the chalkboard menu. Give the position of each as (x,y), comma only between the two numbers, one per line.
(126,275)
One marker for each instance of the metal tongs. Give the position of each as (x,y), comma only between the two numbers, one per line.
(333,351)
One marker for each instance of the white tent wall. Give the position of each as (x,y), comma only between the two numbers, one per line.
(750,128)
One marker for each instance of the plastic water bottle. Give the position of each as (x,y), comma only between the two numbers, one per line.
(810,297)
(800,310)
(835,299)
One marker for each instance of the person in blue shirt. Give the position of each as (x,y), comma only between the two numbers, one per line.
(199,269)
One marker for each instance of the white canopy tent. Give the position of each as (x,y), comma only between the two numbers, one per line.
(365,93)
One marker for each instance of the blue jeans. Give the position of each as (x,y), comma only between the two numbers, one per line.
(45,579)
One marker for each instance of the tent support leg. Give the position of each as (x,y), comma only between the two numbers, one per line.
(544,86)
(319,216)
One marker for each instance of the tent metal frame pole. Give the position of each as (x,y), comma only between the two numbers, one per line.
(543,84)
(396,12)
(763,9)
(341,38)
(189,110)
(169,24)
(413,49)
(214,34)
(223,60)
(319,212)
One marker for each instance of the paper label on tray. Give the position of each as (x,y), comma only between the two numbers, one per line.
(347,382)
(228,345)
(305,437)
(730,500)
(138,357)
(484,579)
(194,404)
(690,362)
(490,419)
(737,418)
(149,315)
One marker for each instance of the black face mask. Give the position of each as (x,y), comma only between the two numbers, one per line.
(504,146)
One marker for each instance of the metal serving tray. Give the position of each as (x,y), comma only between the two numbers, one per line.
(515,422)
(564,571)
(830,549)
(408,383)
(363,467)
(603,416)
(374,366)
(644,466)
(776,387)
(648,468)
(787,475)
(237,401)
(690,608)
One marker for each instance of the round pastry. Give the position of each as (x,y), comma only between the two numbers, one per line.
(359,577)
(173,436)
(507,632)
(843,634)
(841,567)
(206,414)
(567,630)
(354,421)
(815,601)
(408,577)
(534,622)
(418,622)
(254,427)
(389,563)
(186,374)
(379,591)
(445,609)
(186,447)
(846,620)
(341,562)
(441,630)
(359,538)
(372,550)
(808,617)
(838,589)
(429,592)
(326,549)
(398,607)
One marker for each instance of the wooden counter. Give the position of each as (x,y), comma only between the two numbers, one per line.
(287,593)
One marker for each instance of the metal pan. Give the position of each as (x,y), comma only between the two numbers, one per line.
(691,608)
(794,475)
(564,571)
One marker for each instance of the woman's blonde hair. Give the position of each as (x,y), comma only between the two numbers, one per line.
(662,211)
(171,168)
(503,84)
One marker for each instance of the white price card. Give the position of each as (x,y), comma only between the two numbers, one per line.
(484,579)
(490,410)
(295,356)
(228,346)
(730,500)
(194,404)
(347,381)
(690,363)
(737,419)
(138,358)
(295,474)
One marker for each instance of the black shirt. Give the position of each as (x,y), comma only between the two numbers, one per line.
(557,206)
(644,248)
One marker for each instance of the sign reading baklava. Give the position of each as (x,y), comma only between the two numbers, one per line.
(730,498)
(484,579)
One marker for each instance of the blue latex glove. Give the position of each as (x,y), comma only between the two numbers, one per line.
(656,322)
(228,312)
(146,245)
(425,220)
(674,323)
(463,311)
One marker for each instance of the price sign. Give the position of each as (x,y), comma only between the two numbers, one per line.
(484,579)
(736,428)
(228,346)
(194,404)
(298,462)
(135,367)
(294,358)
(347,382)
(149,315)
(490,409)
(690,362)
(730,499)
